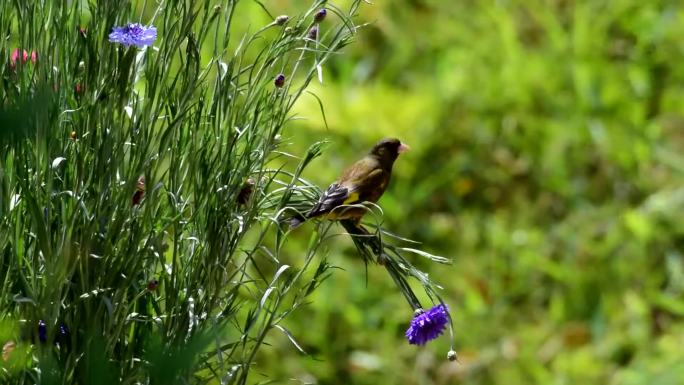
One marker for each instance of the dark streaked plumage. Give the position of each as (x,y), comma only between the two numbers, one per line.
(364,181)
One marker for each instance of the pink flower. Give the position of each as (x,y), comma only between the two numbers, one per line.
(14,57)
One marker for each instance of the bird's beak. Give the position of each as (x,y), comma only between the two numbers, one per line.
(403,148)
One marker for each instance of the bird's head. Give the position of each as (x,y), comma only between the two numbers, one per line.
(388,149)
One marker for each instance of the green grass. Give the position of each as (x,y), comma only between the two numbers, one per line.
(143,189)
(546,163)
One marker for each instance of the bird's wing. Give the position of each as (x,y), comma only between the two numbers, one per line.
(365,180)
(368,188)
(357,173)
(334,196)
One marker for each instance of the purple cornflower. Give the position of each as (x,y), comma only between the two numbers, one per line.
(428,325)
(42,331)
(133,34)
(320,15)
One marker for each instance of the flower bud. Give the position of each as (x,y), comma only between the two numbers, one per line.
(313,33)
(320,15)
(153,284)
(279,81)
(282,19)
(42,331)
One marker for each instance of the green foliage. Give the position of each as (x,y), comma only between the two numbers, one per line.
(141,236)
(546,164)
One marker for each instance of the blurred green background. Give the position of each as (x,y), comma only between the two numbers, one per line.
(547,164)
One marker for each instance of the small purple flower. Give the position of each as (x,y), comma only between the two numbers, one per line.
(42,331)
(133,34)
(320,15)
(428,325)
(313,33)
(279,80)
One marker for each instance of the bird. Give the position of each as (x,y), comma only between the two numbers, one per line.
(364,181)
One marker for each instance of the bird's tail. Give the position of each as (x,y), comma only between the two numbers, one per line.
(296,221)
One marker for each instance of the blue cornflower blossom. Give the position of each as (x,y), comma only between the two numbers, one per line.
(133,34)
(428,325)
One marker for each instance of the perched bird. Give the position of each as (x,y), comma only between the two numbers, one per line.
(364,181)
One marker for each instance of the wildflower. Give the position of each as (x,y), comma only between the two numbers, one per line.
(133,34)
(83,32)
(14,57)
(42,331)
(153,284)
(320,15)
(313,33)
(427,325)
(7,349)
(279,80)
(282,19)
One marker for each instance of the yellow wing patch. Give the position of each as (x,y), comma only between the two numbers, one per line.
(352,198)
